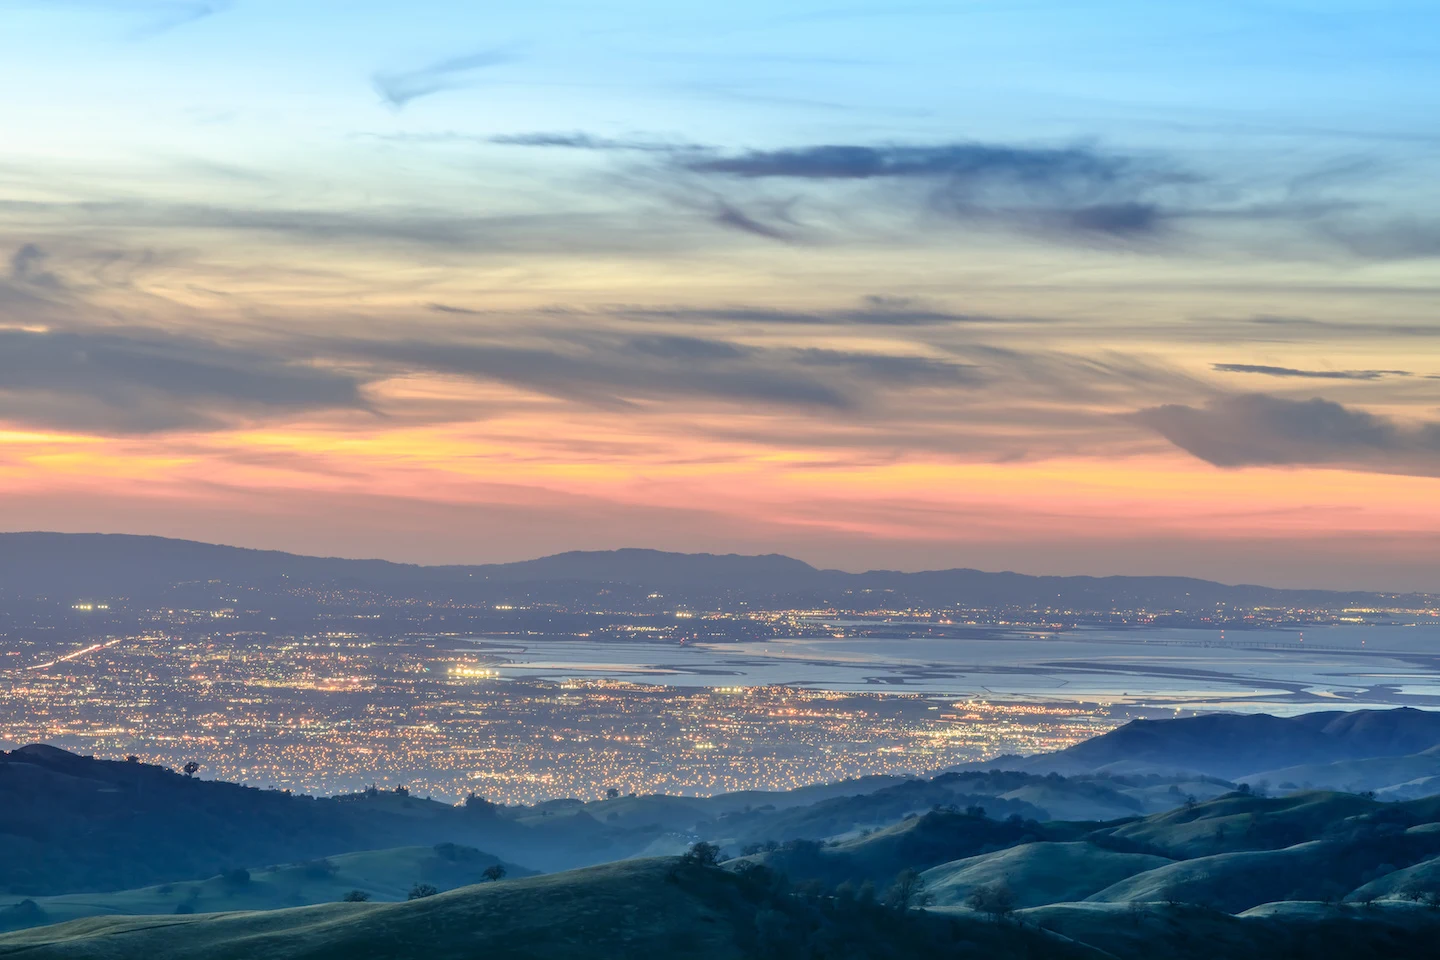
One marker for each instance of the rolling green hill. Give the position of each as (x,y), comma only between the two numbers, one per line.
(639,909)
(1314,870)
(917,843)
(1236,822)
(667,908)
(1038,873)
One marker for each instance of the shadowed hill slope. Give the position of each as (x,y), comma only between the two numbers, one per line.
(1188,932)
(73,824)
(382,875)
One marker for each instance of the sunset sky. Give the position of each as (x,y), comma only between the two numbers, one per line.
(1053,287)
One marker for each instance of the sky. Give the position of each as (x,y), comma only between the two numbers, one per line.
(1079,287)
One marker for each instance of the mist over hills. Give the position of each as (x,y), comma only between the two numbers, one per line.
(66,566)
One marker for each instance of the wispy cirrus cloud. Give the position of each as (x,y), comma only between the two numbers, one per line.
(400,87)
(586,141)
(164,17)
(1079,190)
(878,310)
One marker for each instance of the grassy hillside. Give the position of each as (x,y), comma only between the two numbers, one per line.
(1314,870)
(642,909)
(1237,822)
(383,875)
(1038,873)
(917,843)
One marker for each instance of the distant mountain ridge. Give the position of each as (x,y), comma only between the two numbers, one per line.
(72,565)
(1234,746)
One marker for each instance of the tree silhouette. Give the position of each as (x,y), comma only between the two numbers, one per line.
(355,896)
(191,768)
(996,899)
(422,890)
(494,872)
(704,854)
(908,891)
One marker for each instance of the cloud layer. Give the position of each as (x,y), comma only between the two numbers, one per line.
(141,381)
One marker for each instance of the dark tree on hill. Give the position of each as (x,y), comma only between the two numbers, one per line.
(356,896)
(704,854)
(611,794)
(318,869)
(475,803)
(996,899)
(237,877)
(191,768)
(494,872)
(422,890)
(908,892)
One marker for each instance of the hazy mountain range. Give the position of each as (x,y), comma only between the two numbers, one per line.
(65,566)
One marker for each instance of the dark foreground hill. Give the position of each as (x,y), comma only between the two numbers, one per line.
(668,908)
(146,569)
(71,824)
(643,909)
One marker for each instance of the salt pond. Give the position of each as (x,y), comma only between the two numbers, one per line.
(1273,670)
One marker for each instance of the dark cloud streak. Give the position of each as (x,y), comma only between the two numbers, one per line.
(1260,430)
(1269,371)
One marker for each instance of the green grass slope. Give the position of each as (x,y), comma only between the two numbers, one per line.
(1236,822)
(1038,873)
(639,909)
(918,843)
(1314,870)
(385,875)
